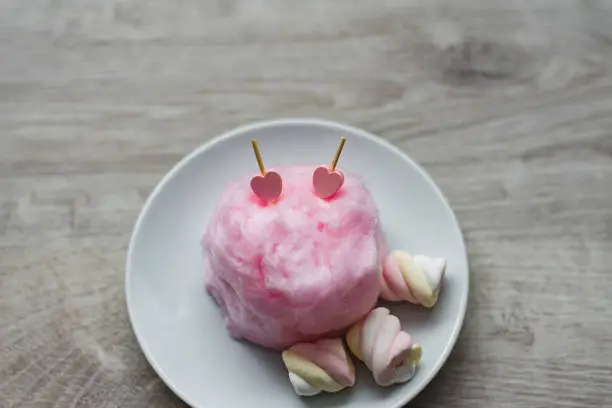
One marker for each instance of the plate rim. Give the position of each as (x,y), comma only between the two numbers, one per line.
(262,124)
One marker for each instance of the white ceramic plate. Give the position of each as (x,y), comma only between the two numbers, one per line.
(179,327)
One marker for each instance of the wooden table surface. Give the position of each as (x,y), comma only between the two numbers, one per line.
(508,104)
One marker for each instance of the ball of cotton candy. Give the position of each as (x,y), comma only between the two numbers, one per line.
(294,270)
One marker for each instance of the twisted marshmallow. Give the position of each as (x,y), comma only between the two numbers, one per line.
(416,279)
(320,366)
(385,349)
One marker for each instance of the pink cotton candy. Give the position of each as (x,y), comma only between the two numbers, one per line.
(296,270)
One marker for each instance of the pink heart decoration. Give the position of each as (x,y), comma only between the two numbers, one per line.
(268,187)
(326,182)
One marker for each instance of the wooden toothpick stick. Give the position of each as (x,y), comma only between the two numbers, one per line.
(338,153)
(258,157)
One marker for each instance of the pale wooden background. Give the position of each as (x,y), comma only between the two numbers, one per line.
(508,104)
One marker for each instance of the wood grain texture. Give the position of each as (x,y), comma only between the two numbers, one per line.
(508,104)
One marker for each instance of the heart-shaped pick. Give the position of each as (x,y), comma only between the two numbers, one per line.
(326,182)
(267,187)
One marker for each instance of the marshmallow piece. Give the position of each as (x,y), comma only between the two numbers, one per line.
(415,279)
(385,349)
(320,366)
